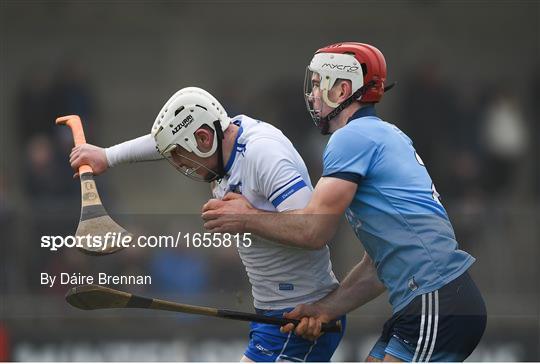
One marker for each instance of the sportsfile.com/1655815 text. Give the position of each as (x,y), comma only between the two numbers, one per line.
(119,240)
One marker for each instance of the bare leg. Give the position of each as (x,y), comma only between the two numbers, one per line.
(372,358)
(387,358)
(246,359)
(391,358)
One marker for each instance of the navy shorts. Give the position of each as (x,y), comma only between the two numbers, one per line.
(443,325)
(267,343)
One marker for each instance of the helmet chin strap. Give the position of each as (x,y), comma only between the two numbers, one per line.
(324,121)
(220,173)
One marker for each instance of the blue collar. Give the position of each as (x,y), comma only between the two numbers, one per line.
(236,147)
(363,112)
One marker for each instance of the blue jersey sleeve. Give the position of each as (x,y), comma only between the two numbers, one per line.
(349,156)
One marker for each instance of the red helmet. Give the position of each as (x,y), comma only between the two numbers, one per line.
(372,62)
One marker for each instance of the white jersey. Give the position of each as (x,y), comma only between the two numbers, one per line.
(267,170)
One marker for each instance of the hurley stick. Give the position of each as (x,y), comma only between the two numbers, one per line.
(95,297)
(94,221)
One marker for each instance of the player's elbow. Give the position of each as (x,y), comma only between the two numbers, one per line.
(313,239)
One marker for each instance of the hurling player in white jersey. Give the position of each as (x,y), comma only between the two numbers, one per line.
(193,132)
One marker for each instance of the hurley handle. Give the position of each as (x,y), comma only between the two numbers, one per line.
(334,326)
(75,124)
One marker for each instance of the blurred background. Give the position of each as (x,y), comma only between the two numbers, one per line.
(468,88)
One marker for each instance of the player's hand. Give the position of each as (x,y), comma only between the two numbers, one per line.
(311,317)
(227,215)
(91,155)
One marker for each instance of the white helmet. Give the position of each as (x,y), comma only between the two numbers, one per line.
(331,67)
(185,112)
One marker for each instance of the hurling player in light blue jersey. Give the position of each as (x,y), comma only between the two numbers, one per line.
(373,174)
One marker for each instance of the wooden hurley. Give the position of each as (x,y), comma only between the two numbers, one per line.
(94,221)
(95,297)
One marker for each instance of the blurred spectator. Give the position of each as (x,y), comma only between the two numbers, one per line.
(429,114)
(287,111)
(505,140)
(71,94)
(47,173)
(44,178)
(34,111)
(71,90)
(40,100)
(462,182)
(466,169)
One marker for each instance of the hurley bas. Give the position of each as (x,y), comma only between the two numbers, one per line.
(102,278)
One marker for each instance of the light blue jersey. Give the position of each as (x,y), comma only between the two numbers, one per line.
(396,212)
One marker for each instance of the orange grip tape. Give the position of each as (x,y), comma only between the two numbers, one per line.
(75,124)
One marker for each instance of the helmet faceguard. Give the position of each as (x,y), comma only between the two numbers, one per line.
(362,64)
(182,115)
(178,161)
(311,101)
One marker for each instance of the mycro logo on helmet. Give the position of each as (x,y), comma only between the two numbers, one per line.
(188,120)
(340,67)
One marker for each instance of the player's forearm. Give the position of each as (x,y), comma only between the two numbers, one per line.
(360,286)
(296,228)
(136,150)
